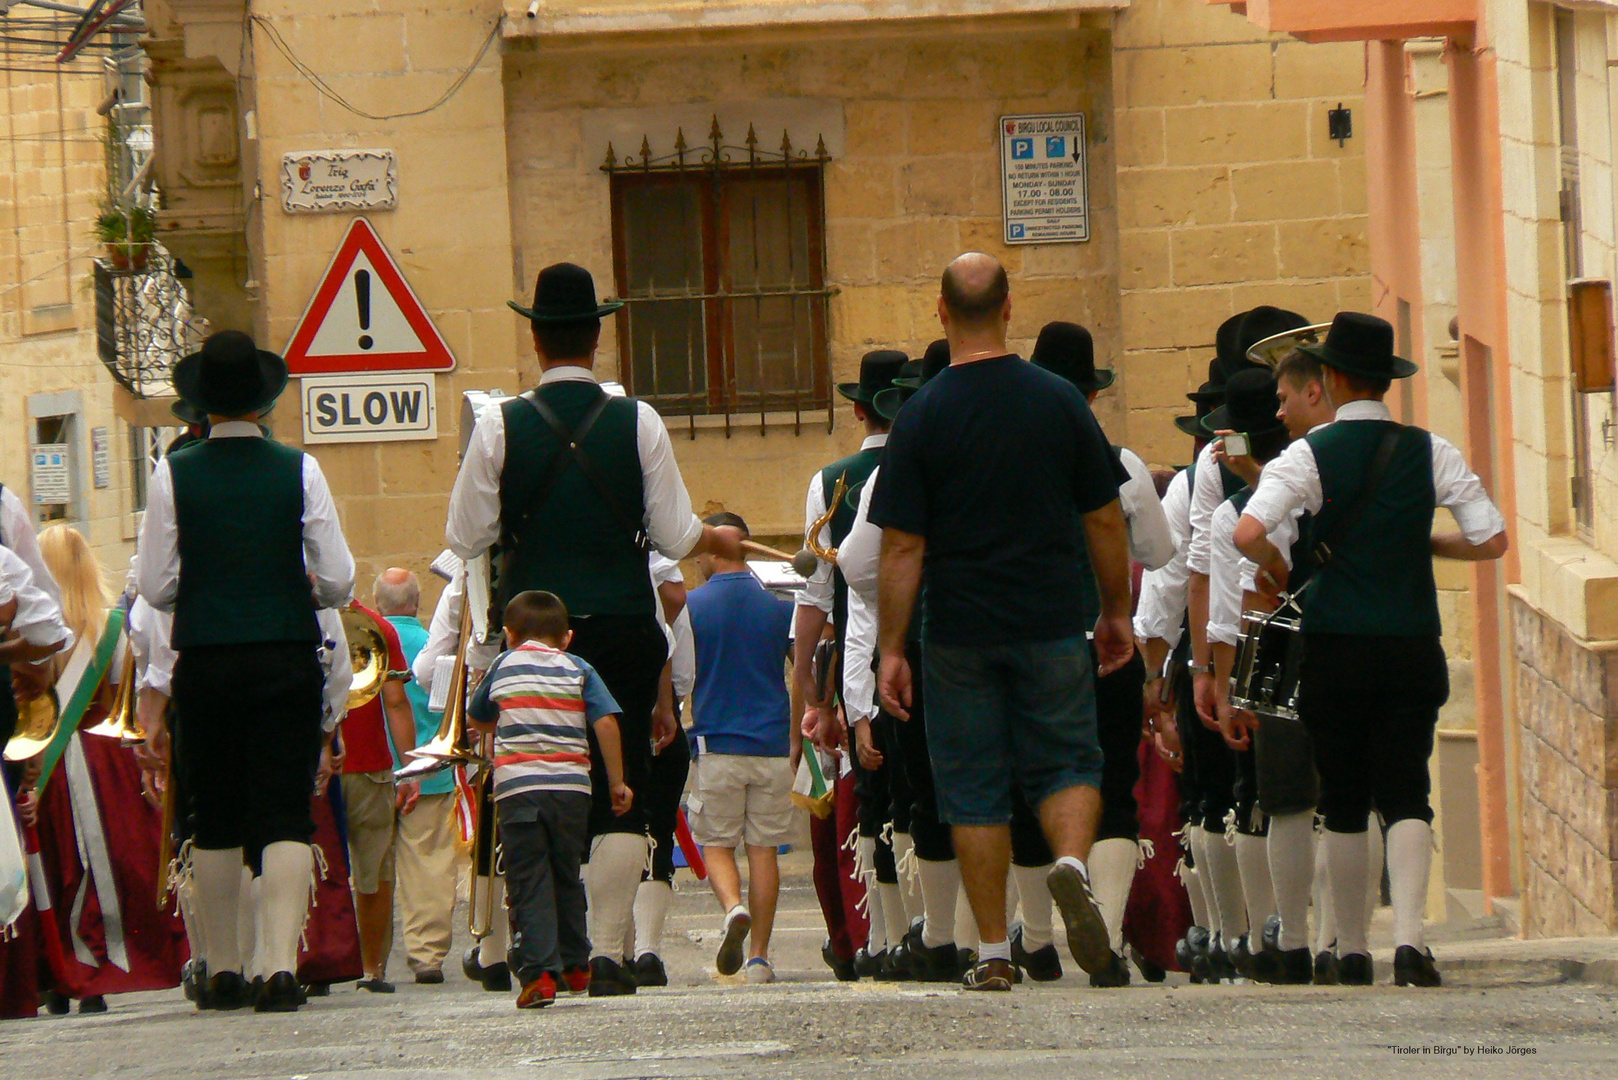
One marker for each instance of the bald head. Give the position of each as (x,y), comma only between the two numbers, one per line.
(396,592)
(975,291)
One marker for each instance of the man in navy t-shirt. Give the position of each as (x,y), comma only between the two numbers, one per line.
(990,472)
(741,782)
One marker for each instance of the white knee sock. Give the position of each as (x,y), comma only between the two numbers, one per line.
(283,904)
(940,886)
(186,894)
(218,874)
(1325,915)
(966,925)
(877,941)
(894,922)
(1034,896)
(1410,857)
(492,948)
(1219,867)
(1258,893)
(904,856)
(616,863)
(1375,843)
(247,926)
(1191,879)
(1291,849)
(1112,872)
(1346,871)
(651,911)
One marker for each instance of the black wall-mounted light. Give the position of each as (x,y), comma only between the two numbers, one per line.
(1340,124)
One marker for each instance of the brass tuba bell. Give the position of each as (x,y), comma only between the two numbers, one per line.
(37,721)
(368,652)
(1272,350)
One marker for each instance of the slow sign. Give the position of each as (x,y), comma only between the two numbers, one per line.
(381,408)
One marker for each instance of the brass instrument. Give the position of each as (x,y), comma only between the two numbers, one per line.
(368,652)
(38,719)
(813,548)
(165,837)
(480,908)
(1273,349)
(121,722)
(454,742)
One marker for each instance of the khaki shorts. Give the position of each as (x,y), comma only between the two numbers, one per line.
(372,824)
(738,799)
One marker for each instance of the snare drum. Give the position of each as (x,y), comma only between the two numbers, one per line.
(1265,680)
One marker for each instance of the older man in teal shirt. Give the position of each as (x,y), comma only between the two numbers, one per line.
(426,854)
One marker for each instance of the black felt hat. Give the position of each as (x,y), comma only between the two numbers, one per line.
(230,376)
(564,293)
(188,414)
(1360,345)
(1256,325)
(1066,349)
(1211,392)
(877,369)
(1250,405)
(915,375)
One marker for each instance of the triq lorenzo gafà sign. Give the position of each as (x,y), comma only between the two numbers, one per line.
(316,180)
(369,408)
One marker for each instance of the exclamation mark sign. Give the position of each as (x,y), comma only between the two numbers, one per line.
(362,297)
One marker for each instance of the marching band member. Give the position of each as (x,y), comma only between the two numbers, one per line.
(241,542)
(1374,674)
(577,487)
(825,602)
(1066,349)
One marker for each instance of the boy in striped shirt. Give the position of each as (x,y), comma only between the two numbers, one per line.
(541,704)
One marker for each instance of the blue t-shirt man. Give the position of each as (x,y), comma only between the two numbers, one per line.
(412,639)
(741,634)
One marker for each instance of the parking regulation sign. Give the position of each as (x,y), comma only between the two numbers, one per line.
(1045,195)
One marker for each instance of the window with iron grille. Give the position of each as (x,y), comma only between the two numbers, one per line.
(722,268)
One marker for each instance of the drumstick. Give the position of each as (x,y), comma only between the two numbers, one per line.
(764,549)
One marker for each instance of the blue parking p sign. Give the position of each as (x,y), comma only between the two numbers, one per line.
(1022,149)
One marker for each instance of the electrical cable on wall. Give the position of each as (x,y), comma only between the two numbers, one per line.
(319,84)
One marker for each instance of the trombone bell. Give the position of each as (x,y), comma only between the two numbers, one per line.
(121,722)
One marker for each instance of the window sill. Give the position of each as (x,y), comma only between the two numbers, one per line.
(1574,584)
(808,421)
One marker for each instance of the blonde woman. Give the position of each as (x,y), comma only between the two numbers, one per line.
(113,939)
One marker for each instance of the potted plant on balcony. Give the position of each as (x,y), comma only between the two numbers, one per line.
(127,232)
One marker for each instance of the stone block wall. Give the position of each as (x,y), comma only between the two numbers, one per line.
(1230,194)
(1567,701)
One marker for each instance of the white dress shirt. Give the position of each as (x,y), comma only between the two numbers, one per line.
(1150,542)
(39,616)
(859,647)
(474,504)
(1231,574)
(17,533)
(821,590)
(152,633)
(1206,496)
(682,650)
(1160,612)
(443,633)
(1291,483)
(337,665)
(325,552)
(859,556)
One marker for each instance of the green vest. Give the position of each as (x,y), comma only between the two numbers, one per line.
(1379,581)
(855,470)
(569,541)
(238,508)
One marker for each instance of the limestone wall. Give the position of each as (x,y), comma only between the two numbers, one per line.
(1230,194)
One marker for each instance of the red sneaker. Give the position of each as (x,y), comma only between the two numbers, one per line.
(539,993)
(577,979)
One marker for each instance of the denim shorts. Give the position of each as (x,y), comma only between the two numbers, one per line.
(1022,714)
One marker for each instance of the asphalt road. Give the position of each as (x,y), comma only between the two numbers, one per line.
(1517,1020)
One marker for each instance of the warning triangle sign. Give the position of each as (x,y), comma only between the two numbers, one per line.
(364,317)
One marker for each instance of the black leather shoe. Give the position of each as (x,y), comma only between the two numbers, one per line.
(1326,973)
(1271,937)
(1294,967)
(95,1003)
(375,986)
(1191,953)
(1411,967)
(1220,969)
(1355,969)
(1150,971)
(895,965)
(429,977)
(194,979)
(843,969)
(228,990)
(609,979)
(867,963)
(1241,958)
(1044,964)
(57,1004)
(280,994)
(649,970)
(1114,974)
(496,978)
(938,964)
(470,967)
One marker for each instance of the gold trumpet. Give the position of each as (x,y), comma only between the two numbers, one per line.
(1272,350)
(368,652)
(122,723)
(814,552)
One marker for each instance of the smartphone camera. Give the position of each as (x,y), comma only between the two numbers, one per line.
(1238,445)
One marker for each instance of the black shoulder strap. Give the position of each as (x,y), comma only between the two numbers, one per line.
(573,450)
(1373,478)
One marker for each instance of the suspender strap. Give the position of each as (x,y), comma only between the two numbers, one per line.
(1351,517)
(572,450)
